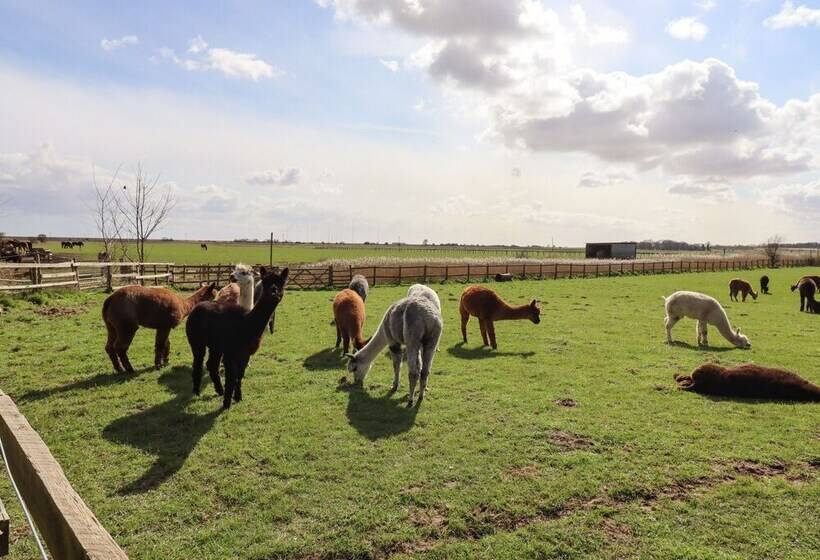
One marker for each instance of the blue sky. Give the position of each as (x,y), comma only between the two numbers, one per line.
(491,121)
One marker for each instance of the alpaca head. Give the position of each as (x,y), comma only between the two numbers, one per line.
(358,366)
(754,294)
(741,340)
(534,311)
(206,292)
(243,275)
(273,284)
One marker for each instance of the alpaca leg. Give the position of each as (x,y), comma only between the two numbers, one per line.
(465,317)
(427,354)
(482,326)
(196,368)
(230,382)
(124,338)
(338,336)
(240,375)
(413,370)
(160,341)
(491,334)
(396,356)
(109,348)
(346,342)
(214,358)
(802,302)
(702,334)
(670,322)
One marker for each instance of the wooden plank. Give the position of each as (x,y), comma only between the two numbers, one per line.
(85,264)
(5,529)
(36,286)
(68,527)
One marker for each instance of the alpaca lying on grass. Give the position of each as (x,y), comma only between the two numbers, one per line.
(740,286)
(488,306)
(414,322)
(240,290)
(808,288)
(749,380)
(707,311)
(132,307)
(349,315)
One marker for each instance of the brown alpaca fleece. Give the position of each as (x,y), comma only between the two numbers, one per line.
(815,279)
(488,306)
(808,288)
(132,307)
(749,380)
(229,294)
(349,315)
(740,286)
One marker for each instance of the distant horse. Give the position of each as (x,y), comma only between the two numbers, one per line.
(79,244)
(66,244)
(102,256)
(203,246)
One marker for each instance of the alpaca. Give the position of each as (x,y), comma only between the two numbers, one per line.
(231,335)
(707,311)
(738,285)
(131,307)
(749,380)
(815,279)
(420,290)
(257,295)
(240,290)
(488,306)
(203,246)
(359,285)
(504,277)
(807,289)
(414,322)
(349,315)
(764,284)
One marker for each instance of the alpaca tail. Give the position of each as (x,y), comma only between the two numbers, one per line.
(794,287)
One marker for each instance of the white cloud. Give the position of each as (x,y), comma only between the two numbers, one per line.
(230,63)
(608,178)
(705,5)
(279,177)
(392,65)
(594,34)
(516,172)
(687,29)
(420,106)
(802,200)
(124,41)
(791,16)
(714,190)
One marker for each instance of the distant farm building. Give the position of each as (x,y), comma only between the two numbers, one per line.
(623,250)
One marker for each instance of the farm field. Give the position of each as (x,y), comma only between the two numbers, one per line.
(569,441)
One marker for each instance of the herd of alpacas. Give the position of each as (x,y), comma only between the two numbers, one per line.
(228,325)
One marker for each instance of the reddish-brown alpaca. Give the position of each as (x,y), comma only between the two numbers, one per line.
(740,286)
(132,307)
(348,314)
(488,306)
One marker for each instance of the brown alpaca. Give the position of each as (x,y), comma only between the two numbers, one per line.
(132,307)
(488,306)
(808,288)
(738,285)
(815,279)
(348,314)
(749,380)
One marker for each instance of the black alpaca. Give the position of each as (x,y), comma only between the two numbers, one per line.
(231,335)
(764,284)
(807,289)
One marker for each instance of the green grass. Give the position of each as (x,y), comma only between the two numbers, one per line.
(306,468)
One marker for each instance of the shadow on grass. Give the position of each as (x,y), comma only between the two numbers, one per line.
(166,431)
(100,380)
(461,351)
(687,346)
(377,417)
(324,360)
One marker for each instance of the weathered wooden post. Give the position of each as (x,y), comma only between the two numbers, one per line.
(330,276)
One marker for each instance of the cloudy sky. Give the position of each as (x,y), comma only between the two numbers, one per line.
(488,121)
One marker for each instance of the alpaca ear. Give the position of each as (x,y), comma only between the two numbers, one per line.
(263,270)
(534,304)
(212,286)
(284,274)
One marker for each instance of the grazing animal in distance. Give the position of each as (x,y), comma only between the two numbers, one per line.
(203,246)
(749,380)
(231,335)
(131,307)
(241,289)
(79,244)
(815,279)
(740,286)
(504,277)
(349,316)
(359,285)
(102,256)
(764,284)
(707,311)
(808,288)
(414,322)
(488,306)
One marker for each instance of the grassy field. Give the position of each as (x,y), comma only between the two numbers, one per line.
(570,441)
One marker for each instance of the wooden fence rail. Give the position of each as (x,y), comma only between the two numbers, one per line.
(110,275)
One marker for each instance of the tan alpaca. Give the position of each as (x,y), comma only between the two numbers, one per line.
(488,306)
(740,286)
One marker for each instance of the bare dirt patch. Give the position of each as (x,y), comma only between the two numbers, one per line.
(430,518)
(526,471)
(56,311)
(755,468)
(569,403)
(566,441)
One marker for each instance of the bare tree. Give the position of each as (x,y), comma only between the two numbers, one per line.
(144,207)
(772,248)
(109,220)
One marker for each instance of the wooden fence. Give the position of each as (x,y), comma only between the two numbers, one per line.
(27,276)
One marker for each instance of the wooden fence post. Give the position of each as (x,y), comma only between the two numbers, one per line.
(374,275)
(109,278)
(330,276)
(76,270)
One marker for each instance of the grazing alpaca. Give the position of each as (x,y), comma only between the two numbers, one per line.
(488,306)
(231,335)
(749,380)
(808,288)
(240,290)
(414,322)
(815,279)
(420,290)
(348,314)
(504,277)
(707,311)
(203,246)
(764,284)
(132,307)
(738,285)
(359,285)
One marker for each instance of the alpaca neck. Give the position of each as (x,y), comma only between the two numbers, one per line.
(725,329)
(371,350)
(190,302)
(258,317)
(512,312)
(246,296)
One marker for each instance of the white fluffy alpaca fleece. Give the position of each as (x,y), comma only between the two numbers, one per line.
(706,310)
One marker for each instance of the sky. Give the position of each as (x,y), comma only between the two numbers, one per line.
(468,121)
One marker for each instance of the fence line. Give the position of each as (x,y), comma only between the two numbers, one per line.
(82,276)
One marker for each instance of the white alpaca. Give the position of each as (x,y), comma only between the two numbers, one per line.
(240,290)
(420,290)
(704,309)
(414,322)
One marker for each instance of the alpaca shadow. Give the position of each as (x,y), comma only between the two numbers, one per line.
(378,417)
(167,431)
(482,352)
(751,400)
(686,345)
(324,360)
(100,380)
